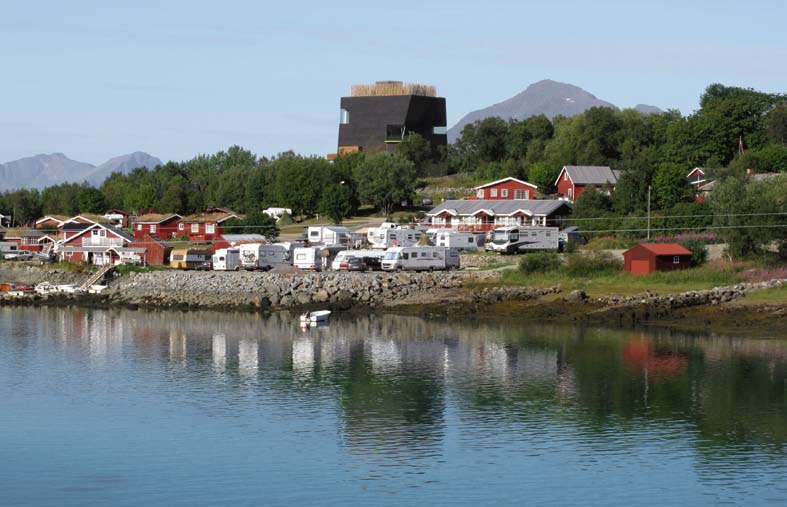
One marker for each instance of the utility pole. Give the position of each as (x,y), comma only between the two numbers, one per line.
(648,211)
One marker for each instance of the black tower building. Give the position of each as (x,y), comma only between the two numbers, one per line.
(377,117)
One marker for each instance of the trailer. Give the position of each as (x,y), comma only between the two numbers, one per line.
(275,255)
(418,258)
(459,240)
(308,257)
(387,238)
(226,259)
(189,258)
(331,235)
(7,247)
(519,239)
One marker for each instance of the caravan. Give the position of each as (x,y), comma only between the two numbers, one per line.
(308,257)
(518,239)
(420,258)
(331,235)
(226,259)
(459,240)
(390,237)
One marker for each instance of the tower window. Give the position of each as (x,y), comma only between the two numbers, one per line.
(439,131)
(344,117)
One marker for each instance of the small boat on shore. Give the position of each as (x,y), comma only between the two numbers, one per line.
(316,317)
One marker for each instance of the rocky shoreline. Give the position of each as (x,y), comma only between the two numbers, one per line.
(437,293)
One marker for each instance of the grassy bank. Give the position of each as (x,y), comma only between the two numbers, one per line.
(622,283)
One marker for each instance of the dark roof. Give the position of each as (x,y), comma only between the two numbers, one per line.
(662,248)
(76,226)
(592,174)
(500,207)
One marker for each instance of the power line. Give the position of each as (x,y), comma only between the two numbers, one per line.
(779,213)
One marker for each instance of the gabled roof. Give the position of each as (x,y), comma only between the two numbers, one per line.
(88,217)
(662,248)
(113,230)
(701,170)
(155,218)
(213,215)
(707,187)
(56,218)
(590,174)
(510,178)
(507,207)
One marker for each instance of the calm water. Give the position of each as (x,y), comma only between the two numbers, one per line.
(135,408)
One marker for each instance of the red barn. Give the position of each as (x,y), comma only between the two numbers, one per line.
(573,179)
(162,225)
(156,251)
(649,257)
(205,226)
(507,188)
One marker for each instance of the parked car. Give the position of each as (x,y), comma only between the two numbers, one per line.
(20,255)
(204,266)
(373,263)
(356,264)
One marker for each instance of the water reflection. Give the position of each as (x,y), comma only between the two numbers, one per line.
(405,391)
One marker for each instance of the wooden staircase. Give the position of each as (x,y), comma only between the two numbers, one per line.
(98,275)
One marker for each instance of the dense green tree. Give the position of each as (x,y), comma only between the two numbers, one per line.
(670,186)
(255,222)
(417,150)
(91,200)
(385,180)
(776,124)
(337,202)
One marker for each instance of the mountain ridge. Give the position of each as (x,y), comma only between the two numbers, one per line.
(43,170)
(547,97)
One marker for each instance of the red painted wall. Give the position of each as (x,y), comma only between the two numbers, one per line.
(654,262)
(564,185)
(201,235)
(167,229)
(511,186)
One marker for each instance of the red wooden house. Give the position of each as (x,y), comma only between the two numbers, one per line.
(50,222)
(100,244)
(205,226)
(649,257)
(507,188)
(163,225)
(574,179)
(26,239)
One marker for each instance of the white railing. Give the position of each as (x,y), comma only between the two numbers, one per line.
(101,241)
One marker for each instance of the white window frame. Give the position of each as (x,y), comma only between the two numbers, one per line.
(480,193)
(194,228)
(210,228)
(152,228)
(492,192)
(503,192)
(181,227)
(676,259)
(139,227)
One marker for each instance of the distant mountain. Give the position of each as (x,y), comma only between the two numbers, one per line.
(646,109)
(546,97)
(124,164)
(42,171)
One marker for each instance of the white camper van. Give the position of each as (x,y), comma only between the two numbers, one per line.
(519,239)
(459,240)
(226,259)
(416,258)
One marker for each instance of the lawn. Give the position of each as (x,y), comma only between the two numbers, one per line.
(623,283)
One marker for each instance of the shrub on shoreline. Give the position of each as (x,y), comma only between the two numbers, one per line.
(592,264)
(540,262)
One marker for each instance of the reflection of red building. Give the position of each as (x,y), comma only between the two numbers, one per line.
(639,355)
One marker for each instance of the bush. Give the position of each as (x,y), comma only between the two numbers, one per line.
(699,250)
(539,262)
(592,264)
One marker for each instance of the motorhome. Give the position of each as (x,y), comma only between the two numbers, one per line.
(517,239)
(459,240)
(417,258)
(188,258)
(226,259)
(340,262)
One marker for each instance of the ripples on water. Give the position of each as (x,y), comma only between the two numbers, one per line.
(135,408)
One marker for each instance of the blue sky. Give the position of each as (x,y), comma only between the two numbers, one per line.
(95,79)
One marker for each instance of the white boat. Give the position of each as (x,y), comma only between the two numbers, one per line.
(318,316)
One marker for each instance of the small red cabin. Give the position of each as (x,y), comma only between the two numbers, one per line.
(649,257)
(506,189)
(162,225)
